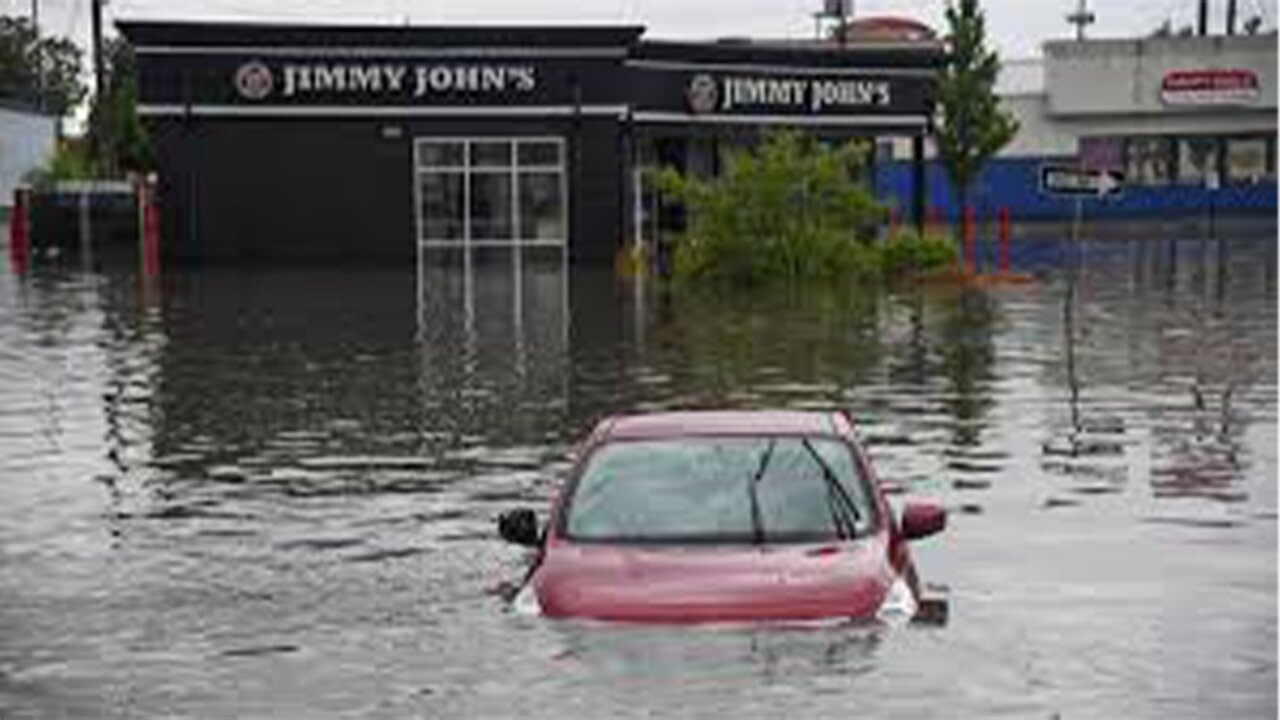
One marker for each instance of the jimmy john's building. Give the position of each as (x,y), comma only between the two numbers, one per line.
(321,142)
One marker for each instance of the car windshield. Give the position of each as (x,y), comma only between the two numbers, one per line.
(712,489)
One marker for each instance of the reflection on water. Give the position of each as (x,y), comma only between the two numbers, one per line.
(271,491)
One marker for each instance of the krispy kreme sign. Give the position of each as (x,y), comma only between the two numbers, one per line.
(1209,87)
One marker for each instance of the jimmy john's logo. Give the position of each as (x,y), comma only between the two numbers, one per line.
(702,95)
(254,81)
(706,94)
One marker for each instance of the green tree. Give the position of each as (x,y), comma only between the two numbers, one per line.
(42,71)
(972,127)
(120,141)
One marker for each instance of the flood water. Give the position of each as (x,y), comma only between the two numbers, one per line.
(271,492)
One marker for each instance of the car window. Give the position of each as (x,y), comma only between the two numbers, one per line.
(773,489)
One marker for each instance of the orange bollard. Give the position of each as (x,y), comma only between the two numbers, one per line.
(969,238)
(148,229)
(1004,240)
(20,230)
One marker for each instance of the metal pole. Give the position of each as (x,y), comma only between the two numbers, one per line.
(1231,17)
(99,84)
(1075,237)
(38,56)
(1204,17)
(918,190)
(1081,18)
(86,233)
(99,72)
(846,10)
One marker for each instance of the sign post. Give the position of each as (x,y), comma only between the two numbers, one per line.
(1079,183)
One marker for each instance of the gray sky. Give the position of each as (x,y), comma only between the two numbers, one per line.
(1017,26)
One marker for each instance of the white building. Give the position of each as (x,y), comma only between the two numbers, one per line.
(1169,110)
(1190,120)
(27,139)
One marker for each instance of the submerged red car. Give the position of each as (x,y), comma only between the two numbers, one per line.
(722,517)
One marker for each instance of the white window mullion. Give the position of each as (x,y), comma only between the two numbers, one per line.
(466,193)
(420,229)
(517,210)
(564,194)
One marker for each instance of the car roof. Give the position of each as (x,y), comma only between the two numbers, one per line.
(720,422)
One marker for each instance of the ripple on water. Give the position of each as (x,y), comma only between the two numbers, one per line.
(295,472)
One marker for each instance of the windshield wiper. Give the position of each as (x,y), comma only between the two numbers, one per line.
(838,498)
(757,522)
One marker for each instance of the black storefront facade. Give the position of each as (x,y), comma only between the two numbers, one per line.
(320,142)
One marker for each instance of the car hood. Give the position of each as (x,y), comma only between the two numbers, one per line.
(712,584)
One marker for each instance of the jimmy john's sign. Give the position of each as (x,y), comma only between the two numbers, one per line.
(257,81)
(706,94)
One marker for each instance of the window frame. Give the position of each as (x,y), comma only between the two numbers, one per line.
(1215,163)
(467,170)
(1268,167)
(1168,160)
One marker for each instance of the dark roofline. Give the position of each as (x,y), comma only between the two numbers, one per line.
(238,34)
(900,54)
(214,34)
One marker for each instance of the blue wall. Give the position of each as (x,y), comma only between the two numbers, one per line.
(1016,183)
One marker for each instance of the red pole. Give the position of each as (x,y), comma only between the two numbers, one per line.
(893,220)
(934,223)
(149,229)
(20,230)
(969,238)
(1004,239)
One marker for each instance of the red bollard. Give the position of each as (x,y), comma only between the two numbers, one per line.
(933,220)
(969,238)
(20,230)
(149,229)
(893,220)
(1004,240)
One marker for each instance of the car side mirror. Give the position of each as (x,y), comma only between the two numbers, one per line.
(519,526)
(922,519)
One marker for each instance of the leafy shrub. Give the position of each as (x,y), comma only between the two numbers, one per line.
(791,208)
(69,161)
(909,252)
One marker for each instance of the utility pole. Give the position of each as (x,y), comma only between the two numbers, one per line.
(99,74)
(1081,18)
(1231,17)
(99,81)
(37,56)
(1204,17)
(840,11)
(846,10)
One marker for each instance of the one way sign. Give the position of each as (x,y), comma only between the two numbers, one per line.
(1078,182)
